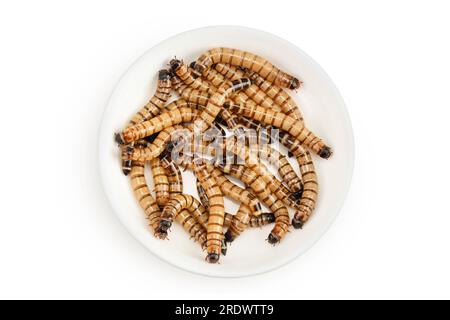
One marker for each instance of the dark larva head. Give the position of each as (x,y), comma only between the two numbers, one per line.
(194,72)
(228,236)
(165,225)
(175,64)
(151,138)
(295,196)
(212,257)
(270,217)
(119,138)
(126,167)
(273,239)
(297,224)
(164,74)
(295,84)
(198,67)
(325,152)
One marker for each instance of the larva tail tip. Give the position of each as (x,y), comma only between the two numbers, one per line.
(290,154)
(297,224)
(175,64)
(273,239)
(270,217)
(119,138)
(295,84)
(212,258)
(295,196)
(126,171)
(325,152)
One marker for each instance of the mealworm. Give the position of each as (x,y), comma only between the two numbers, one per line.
(216,211)
(156,124)
(249,61)
(253,92)
(160,181)
(280,97)
(216,102)
(174,176)
(145,199)
(152,108)
(261,190)
(310,185)
(184,74)
(262,220)
(192,227)
(285,123)
(202,195)
(237,193)
(179,202)
(239,223)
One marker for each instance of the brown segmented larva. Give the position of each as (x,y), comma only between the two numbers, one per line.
(179,202)
(285,123)
(184,74)
(239,223)
(261,190)
(214,232)
(233,123)
(284,168)
(262,220)
(280,97)
(237,193)
(157,102)
(249,61)
(152,108)
(160,182)
(145,199)
(192,227)
(310,185)
(156,124)
(253,92)
(216,102)
(202,195)
(174,176)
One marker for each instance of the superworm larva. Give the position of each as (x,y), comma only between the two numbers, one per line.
(262,220)
(281,98)
(253,92)
(216,102)
(145,199)
(237,193)
(202,195)
(192,227)
(216,211)
(184,74)
(310,186)
(156,124)
(180,202)
(285,123)
(160,182)
(249,61)
(239,223)
(259,187)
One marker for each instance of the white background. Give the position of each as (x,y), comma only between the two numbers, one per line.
(59,62)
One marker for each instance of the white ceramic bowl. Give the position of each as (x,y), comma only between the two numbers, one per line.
(324,112)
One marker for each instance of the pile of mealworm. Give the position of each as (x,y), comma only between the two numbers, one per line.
(219,116)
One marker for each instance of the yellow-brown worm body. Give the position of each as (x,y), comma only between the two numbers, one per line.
(152,108)
(145,199)
(310,185)
(179,202)
(287,124)
(261,190)
(160,182)
(215,103)
(249,61)
(158,123)
(216,211)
